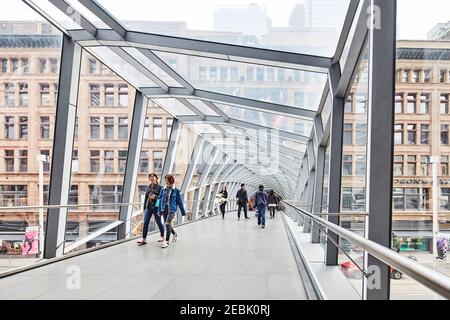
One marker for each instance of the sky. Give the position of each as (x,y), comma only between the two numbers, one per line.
(415,17)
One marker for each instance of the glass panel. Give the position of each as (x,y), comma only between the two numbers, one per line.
(184,148)
(87,14)
(27,130)
(122,67)
(423,54)
(141,58)
(285,88)
(98,166)
(174,107)
(63,18)
(270,120)
(202,107)
(348,42)
(353,194)
(311,27)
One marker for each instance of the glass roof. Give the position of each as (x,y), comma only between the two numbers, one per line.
(174,107)
(295,88)
(311,27)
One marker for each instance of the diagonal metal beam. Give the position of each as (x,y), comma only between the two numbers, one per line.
(105,16)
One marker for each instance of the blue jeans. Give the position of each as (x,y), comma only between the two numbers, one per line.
(147,216)
(261,214)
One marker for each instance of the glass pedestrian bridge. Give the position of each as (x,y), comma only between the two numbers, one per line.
(246,105)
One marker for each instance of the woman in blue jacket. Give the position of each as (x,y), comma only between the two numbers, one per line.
(169,199)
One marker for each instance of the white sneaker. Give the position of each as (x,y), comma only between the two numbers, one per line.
(175,237)
(165,244)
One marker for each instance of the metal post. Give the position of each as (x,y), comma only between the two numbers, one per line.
(66,109)
(435,191)
(334,186)
(41,158)
(171,148)
(382,58)
(132,164)
(318,193)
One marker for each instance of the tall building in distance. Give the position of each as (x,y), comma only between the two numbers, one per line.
(324,13)
(440,32)
(251,19)
(297,18)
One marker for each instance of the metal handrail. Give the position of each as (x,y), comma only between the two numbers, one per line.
(422,274)
(58,206)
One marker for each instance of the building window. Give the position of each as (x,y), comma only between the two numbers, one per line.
(202,73)
(123,95)
(13,195)
(360,165)
(53,65)
(398,165)
(109,95)
(444,165)
(361,104)
(23,128)
(122,160)
(427,77)
(411,103)
(92,66)
(25,65)
(95,161)
(415,76)
(73,195)
(424,134)
(46,163)
(4,65)
(348,134)
(399,103)
(445,195)
(9,127)
(444,103)
(412,198)
(398,198)
(45,128)
(123,128)
(348,107)
(250,75)
(55,88)
(169,123)
(104,69)
(42,65)
(347,165)
(425,201)
(444,134)
(411,133)
(95,127)
(411,166)
(23,94)
(15,65)
(75,134)
(157,128)
(157,161)
(223,73)
(105,194)
(143,162)
(280,74)
(270,74)
(109,161)
(75,160)
(234,74)
(9,95)
(259,74)
(361,131)
(425,165)
(213,73)
(405,77)
(442,74)
(424,103)
(23,160)
(94,95)
(398,134)
(9,160)
(146,125)
(109,128)
(45,94)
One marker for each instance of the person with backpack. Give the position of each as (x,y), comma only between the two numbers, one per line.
(273,203)
(151,208)
(242,201)
(260,206)
(169,199)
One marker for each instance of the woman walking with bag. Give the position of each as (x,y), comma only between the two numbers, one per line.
(223,195)
(273,202)
(151,208)
(169,199)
